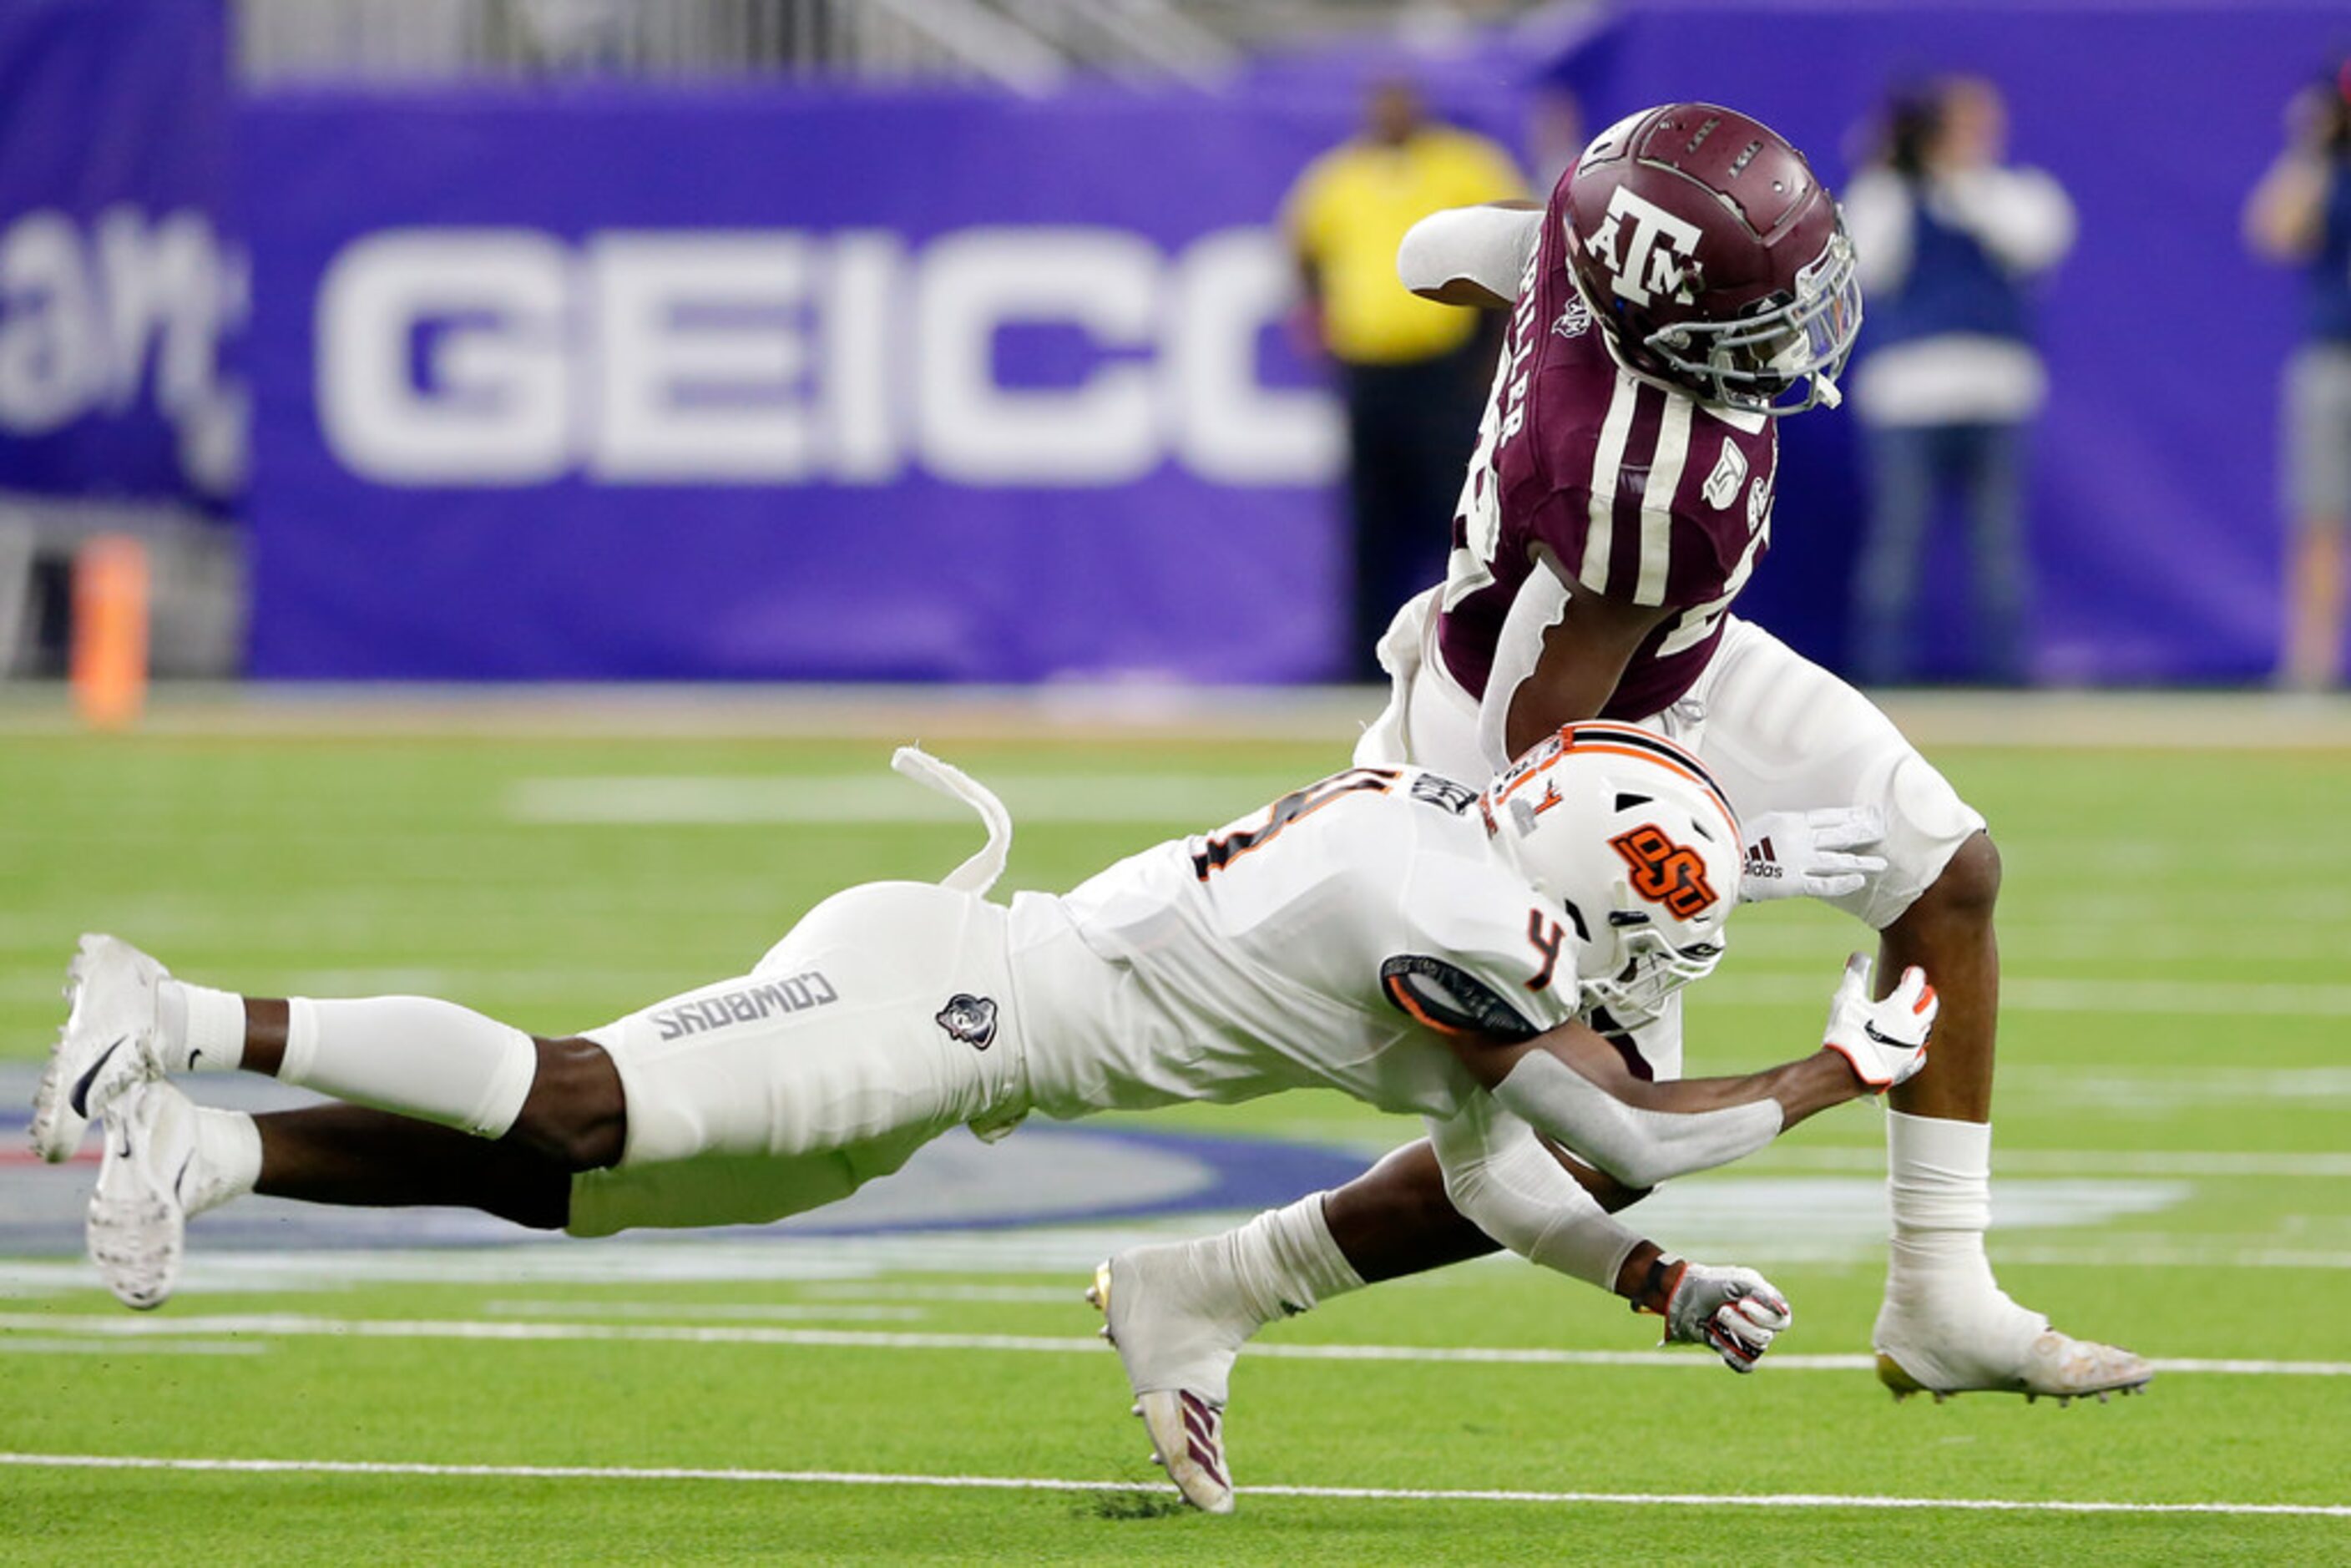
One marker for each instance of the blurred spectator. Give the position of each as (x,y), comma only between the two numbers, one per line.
(1947,238)
(2300,214)
(1410,371)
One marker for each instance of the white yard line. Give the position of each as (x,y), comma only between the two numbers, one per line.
(1056,1295)
(1059,1484)
(2076,1162)
(771,1311)
(299,1325)
(32,1344)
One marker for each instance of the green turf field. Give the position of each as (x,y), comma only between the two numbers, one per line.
(2174,1120)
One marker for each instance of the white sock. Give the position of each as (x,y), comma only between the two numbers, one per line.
(1287,1263)
(1939,1177)
(432,1060)
(228,1159)
(199,1030)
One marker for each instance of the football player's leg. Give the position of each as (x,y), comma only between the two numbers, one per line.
(122,1004)
(1179,1313)
(1785,735)
(488,1117)
(132,1020)
(884,1019)
(363,1158)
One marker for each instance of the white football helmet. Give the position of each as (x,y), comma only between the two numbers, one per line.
(1628,833)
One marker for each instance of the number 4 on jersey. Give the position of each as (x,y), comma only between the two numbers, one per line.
(1215,853)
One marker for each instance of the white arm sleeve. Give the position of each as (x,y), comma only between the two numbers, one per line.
(1486,246)
(1503,1180)
(1638,1147)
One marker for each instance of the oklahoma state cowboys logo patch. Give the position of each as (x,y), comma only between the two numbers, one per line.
(969,1019)
(1665,872)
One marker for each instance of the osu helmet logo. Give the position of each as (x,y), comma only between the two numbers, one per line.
(1665,872)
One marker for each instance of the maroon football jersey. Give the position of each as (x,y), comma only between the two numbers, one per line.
(1635,492)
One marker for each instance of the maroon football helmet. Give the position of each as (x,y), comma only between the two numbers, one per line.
(1713,258)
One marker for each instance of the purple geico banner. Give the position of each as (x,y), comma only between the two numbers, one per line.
(117,290)
(605,385)
(780,383)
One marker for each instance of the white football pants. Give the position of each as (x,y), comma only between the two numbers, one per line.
(884,1019)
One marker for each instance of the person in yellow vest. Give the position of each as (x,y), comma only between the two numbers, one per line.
(1412,371)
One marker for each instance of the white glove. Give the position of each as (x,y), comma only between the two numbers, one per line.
(1736,1311)
(1803,854)
(1885,1040)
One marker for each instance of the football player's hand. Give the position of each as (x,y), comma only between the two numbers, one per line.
(1736,1311)
(1885,1041)
(1811,854)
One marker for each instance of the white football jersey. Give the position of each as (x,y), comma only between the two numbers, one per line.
(1321,942)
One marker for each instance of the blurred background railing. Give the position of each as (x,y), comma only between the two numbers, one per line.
(1028,46)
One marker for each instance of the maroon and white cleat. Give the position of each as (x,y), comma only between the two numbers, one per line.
(1187,1426)
(1187,1435)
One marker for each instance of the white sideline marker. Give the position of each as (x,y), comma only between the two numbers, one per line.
(1054,1483)
(295,1326)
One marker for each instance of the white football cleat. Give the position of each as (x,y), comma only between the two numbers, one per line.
(2043,1361)
(1187,1437)
(1178,1356)
(139,1215)
(107,1045)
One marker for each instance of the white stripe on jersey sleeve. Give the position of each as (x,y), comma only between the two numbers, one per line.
(1657,501)
(1607,464)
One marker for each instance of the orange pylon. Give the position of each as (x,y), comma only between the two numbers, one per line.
(108,663)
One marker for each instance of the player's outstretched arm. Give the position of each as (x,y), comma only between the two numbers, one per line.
(1470,255)
(1520,1190)
(1571,1084)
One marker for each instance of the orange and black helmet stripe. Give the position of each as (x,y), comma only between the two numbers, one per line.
(1615,740)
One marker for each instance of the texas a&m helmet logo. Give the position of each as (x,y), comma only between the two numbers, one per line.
(1658,256)
(1666,873)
